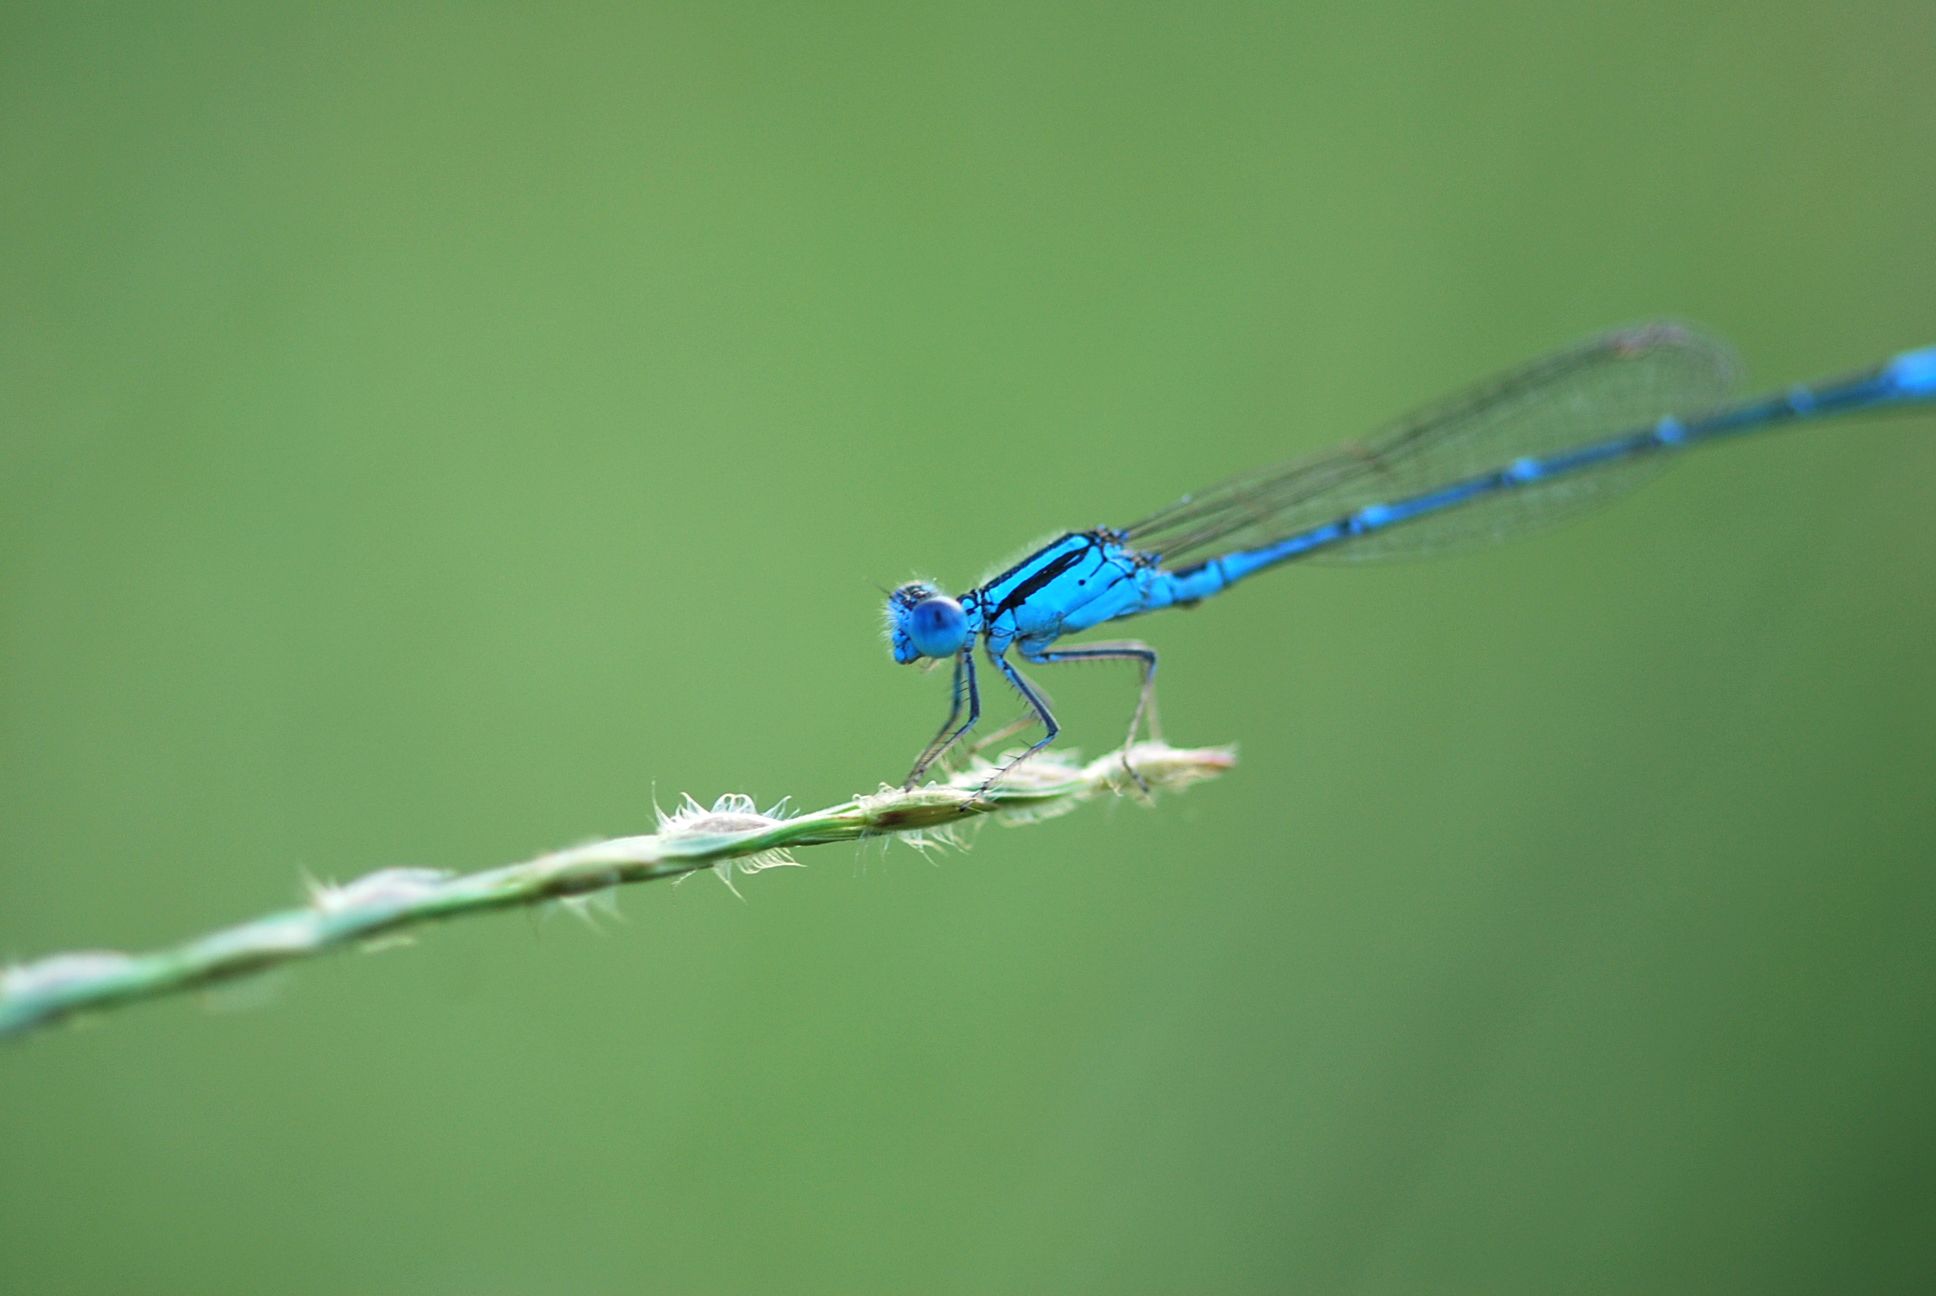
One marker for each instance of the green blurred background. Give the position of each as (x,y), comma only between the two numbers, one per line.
(431,428)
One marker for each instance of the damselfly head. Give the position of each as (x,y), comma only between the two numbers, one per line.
(924,622)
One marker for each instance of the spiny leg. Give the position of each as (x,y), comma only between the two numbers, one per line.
(948,735)
(1014,726)
(1007,731)
(1034,702)
(1126,650)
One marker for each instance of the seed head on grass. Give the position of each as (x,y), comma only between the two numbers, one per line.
(369,911)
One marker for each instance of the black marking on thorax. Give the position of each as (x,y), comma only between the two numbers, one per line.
(1056,543)
(1026,588)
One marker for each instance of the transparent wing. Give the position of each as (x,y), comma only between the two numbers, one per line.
(1615,383)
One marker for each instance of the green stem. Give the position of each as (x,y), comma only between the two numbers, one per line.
(732,834)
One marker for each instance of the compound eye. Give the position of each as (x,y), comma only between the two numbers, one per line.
(937,626)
